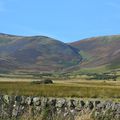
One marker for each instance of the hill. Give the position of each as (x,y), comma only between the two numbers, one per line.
(35,53)
(45,54)
(99,51)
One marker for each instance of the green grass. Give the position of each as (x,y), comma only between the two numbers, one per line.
(73,88)
(100,69)
(86,56)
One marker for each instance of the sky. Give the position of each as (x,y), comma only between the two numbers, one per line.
(65,20)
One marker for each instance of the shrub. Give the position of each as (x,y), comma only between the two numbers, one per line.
(46,81)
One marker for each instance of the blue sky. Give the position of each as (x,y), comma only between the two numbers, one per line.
(65,20)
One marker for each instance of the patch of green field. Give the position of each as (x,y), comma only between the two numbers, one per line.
(114,65)
(95,69)
(4,40)
(86,56)
(72,88)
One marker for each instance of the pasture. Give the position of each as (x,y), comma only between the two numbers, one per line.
(62,88)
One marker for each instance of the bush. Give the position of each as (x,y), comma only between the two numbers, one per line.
(46,81)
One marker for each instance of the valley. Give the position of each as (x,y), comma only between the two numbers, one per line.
(86,70)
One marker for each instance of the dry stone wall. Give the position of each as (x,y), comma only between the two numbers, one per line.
(17,107)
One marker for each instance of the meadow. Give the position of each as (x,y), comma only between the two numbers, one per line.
(62,88)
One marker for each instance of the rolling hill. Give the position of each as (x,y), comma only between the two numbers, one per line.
(99,51)
(41,53)
(35,53)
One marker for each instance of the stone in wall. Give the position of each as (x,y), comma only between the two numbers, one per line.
(15,107)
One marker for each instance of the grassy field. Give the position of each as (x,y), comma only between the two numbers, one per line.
(62,88)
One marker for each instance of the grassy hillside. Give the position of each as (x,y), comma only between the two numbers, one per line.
(44,54)
(100,51)
(36,53)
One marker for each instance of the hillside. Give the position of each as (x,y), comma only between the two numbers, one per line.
(99,51)
(35,53)
(43,54)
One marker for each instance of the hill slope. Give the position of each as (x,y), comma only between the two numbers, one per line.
(99,51)
(41,53)
(37,53)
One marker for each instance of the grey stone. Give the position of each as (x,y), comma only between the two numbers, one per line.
(23,100)
(90,105)
(44,103)
(72,103)
(6,99)
(15,111)
(36,101)
(61,103)
(81,103)
(18,99)
(15,106)
(29,100)
(96,103)
(52,102)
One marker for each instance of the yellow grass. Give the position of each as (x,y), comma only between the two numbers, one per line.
(61,88)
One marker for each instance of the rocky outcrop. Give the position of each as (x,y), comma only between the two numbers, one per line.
(16,107)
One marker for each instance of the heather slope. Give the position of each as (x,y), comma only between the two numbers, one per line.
(39,53)
(100,51)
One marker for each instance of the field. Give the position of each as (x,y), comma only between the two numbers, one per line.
(62,88)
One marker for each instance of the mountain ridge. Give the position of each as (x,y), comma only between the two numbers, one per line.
(99,50)
(42,53)
(36,53)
